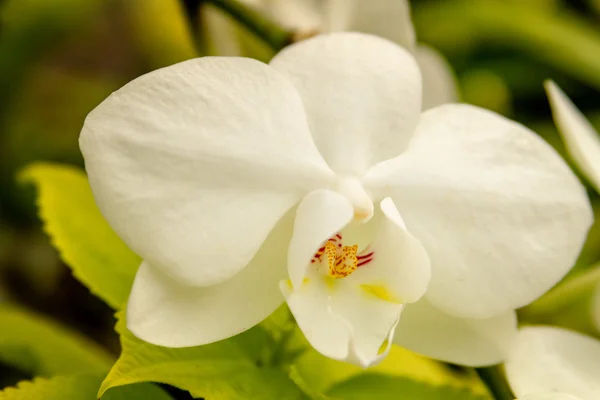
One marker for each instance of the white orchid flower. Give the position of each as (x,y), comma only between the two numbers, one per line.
(318,175)
(548,363)
(389,19)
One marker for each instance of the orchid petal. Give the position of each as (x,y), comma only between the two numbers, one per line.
(439,83)
(341,320)
(400,264)
(549,359)
(320,215)
(429,331)
(580,137)
(362,95)
(194,164)
(389,19)
(501,215)
(166,312)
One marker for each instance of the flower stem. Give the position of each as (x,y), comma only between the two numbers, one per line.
(494,380)
(274,35)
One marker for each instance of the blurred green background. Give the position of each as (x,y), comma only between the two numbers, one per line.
(61,58)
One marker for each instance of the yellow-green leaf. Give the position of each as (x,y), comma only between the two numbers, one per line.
(321,373)
(317,374)
(97,256)
(35,344)
(232,369)
(78,387)
(161,30)
(383,387)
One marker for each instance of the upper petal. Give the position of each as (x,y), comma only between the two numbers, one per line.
(580,137)
(499,212)
(362,95)
(427,330)
(548,359)
(194,164)
(439,83)
(166,312)
(389,19)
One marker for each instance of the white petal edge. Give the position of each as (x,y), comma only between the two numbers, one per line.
(501,215)
(342,321)
(389,19)
(549,359)
(362,95)
(193,164)
(326,333)
(164,312)
(319,216)
(439,82)
(580,137)
(400,264)
(427,330)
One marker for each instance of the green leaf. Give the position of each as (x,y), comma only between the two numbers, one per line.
(161,31)
(315,374)
(319,373)
(37,345)
(232,369)
(97,256)
(384,387)
(78,387)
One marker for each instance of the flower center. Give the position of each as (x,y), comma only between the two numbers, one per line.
(338,261)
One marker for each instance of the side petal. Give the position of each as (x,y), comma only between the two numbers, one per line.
(400,268)
(369,318)
(580,137)
(194,164)
(165,312)
(429,331)
(362,95)
(389,19)
(439,83)
(501,215)
(327,333)
(549,359)
(320,215)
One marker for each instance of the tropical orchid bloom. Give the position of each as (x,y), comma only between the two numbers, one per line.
(316,176)
(578,134)
(548,363)
(389,19)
